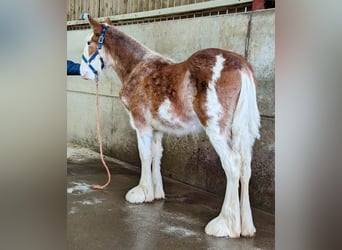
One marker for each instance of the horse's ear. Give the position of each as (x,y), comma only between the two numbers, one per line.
(96,26)
(108,21)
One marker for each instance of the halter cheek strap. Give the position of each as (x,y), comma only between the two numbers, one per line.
(101,38)
(93,56)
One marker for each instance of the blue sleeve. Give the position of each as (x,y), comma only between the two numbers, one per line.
(73,68)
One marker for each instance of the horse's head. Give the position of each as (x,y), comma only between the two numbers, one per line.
(92,62)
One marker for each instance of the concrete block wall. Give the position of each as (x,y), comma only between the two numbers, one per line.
(190,159)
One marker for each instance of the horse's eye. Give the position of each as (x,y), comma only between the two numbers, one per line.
(88,42)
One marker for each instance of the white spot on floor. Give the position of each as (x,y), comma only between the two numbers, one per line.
(93,201)
(179,219)
(73,210)
(180,231)
(79,188)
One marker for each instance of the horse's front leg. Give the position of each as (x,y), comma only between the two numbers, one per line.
(157,151)
(144,191)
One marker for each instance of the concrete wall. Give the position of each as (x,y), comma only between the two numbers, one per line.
(189,159)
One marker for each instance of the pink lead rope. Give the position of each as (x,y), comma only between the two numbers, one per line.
(100,141)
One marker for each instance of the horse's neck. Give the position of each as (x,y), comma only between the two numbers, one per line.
(126,52)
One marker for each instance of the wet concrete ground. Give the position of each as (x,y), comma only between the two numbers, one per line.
(105,220)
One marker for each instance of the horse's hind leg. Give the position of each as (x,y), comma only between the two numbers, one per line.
(247,226)
(227,223)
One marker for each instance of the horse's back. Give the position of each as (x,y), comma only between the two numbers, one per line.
(202,62)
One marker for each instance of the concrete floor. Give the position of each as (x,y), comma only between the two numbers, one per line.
(104,220)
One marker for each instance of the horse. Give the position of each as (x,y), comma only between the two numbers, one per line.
(213,90)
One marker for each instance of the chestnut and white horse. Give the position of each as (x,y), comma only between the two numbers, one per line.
(212,90)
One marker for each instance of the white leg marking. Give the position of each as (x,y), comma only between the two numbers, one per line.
(157,152)
(247,225)
(144,191)
(227,223)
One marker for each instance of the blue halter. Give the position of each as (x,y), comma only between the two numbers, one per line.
(92,57)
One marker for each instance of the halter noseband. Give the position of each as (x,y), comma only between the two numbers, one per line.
(99,46)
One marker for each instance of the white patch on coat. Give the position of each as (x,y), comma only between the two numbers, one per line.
(165,110)
(166,113)
(214,108)
(170,122)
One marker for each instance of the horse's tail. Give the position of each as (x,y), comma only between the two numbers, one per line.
(246,121)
